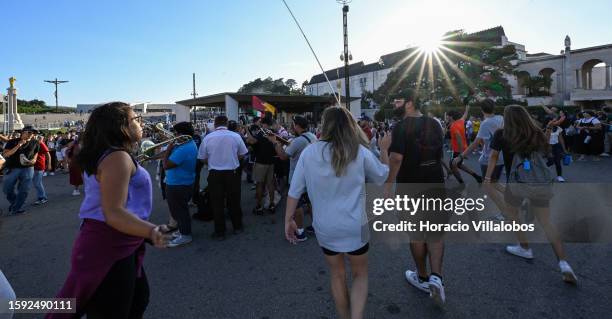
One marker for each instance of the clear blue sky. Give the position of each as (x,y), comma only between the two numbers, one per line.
(146,50)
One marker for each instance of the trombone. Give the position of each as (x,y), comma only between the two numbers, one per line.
(147,147)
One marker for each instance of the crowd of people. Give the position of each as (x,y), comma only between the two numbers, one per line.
(320,169)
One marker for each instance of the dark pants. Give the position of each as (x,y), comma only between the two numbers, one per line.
(121,294)
(53,155)
(178,197)
(225,186)
(557,156)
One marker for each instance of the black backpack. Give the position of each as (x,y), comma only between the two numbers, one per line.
(428,140)
(205,212)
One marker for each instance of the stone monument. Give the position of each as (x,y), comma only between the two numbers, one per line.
(12,118)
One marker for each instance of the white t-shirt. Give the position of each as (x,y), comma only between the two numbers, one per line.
(592,120)
(338,203)
(554,136)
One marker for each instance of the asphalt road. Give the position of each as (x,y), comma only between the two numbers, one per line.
(259,275)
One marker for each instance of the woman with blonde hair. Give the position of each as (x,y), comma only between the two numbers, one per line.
(334,171)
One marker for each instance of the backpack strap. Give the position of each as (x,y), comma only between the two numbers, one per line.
(306,137)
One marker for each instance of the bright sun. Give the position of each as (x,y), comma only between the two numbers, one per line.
(429,45)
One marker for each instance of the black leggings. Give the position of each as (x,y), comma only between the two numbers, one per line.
(557,157)
(121,295)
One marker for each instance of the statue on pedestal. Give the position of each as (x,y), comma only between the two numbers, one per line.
(12,117)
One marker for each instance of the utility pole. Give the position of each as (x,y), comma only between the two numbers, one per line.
(56,82)
(194,94)
(346,55)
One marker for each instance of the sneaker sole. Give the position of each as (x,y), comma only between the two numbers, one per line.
(517,255)
(436,295)
(177,245)
(425,290)
(570,278)
(303,239)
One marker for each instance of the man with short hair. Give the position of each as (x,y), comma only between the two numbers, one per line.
(21,154)
(457,138)
(179,164)
(43,162)
(487,128)
(263,170)
(222,151)
(416,158)
(302,139)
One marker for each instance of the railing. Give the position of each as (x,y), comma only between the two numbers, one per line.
(582,94)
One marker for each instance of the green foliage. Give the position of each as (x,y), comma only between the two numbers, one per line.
(271,86)
(461,72)
(538,85)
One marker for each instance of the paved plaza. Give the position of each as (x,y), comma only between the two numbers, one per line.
(258,274)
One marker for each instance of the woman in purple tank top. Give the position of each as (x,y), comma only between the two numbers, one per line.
(106,276)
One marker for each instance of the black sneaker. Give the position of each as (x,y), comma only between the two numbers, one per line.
(272,209)
(301,237)
(310,229)
(258,211)
(19,212)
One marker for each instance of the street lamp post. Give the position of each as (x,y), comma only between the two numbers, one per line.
(346,55)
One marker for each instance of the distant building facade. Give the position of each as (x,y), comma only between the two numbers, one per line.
(579,76)
(138,107)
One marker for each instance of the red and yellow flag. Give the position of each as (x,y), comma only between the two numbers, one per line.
(262,106)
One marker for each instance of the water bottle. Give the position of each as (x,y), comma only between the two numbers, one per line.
(527,165)
(567,159)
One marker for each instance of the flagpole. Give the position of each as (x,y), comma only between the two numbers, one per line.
(313,52)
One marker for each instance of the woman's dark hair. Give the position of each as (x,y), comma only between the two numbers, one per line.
(521,132)
(184,128)
(108,127)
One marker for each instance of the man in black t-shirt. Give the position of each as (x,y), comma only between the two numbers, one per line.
(20,154)
(416,157)
(263,169)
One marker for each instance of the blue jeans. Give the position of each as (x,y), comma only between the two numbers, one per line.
(22,177)
(38,184)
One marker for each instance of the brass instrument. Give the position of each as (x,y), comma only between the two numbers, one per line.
(269,132)
(147,147)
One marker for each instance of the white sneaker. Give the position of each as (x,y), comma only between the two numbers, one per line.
(44,174)
(52,174)
(76,192)
(604,155)
(413,279)
(560,179)
(180,240)
(568,273)
(517,250)
(582,158)
(436,290)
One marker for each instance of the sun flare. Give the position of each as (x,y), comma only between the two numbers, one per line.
(429,45)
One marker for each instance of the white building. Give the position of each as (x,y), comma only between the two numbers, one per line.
(369,77)
(181,112)
(580,76)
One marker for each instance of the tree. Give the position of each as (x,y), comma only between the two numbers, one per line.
(464,70)
(538,85)
(271,86)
